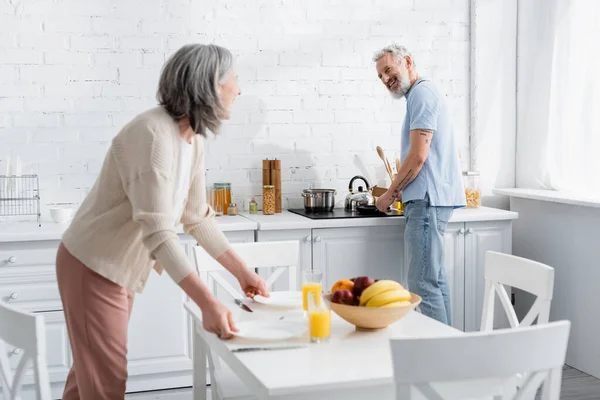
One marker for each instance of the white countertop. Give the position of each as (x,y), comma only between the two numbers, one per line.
(14,231)
(552,196)
(288,220)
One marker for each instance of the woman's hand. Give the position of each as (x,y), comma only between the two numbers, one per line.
(252,284)
(217,319)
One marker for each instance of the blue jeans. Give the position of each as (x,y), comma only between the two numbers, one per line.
(424,244)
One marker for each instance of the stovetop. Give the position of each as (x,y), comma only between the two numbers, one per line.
(338,213)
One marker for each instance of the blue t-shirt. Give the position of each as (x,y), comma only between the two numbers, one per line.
(440,176)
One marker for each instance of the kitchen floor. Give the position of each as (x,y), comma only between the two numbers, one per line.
(576,385)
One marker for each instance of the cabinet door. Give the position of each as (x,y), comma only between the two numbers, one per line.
(304,257)
(479,238)
(344,253)
(159,338)
(454,262)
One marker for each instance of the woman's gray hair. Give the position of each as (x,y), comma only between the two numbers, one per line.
(398,51)
(188,85)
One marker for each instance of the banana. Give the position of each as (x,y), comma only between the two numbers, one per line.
(376,288)
(397,304)
(392,296)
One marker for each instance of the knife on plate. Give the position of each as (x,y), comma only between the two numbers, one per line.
(244,307)
(246,349)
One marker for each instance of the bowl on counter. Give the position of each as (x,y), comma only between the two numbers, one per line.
(372,318)
(61,212)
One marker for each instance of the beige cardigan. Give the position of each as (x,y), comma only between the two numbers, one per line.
(126,221)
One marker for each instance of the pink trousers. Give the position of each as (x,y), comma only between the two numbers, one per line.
(97,314)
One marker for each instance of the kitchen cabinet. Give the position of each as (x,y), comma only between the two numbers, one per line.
(481,237)
(454,262)
(465,246)
(344,253)
(160,331)
(305,239)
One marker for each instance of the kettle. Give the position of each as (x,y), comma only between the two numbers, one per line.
(360,198)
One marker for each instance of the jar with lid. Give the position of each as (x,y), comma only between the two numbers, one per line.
(222,197)
(472,188)
(268,200)
(232,209)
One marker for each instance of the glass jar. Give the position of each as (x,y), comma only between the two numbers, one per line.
(232,209)
(222,197)
(253,206)
(472,188)
(268,200)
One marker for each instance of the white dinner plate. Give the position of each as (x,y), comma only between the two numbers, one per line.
(285,299)
(270,329)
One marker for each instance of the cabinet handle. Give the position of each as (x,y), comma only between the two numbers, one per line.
(13,296)
(307,239)
(12,259)
(318,239)
(16,352)
(469,231)
(461,231)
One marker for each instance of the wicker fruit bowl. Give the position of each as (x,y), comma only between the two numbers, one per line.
(372,318)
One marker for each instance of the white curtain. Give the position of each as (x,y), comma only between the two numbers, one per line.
(558,101)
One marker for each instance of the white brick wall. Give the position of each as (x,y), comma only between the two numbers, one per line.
(73,72)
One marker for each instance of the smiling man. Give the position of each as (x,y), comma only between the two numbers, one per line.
(429,181)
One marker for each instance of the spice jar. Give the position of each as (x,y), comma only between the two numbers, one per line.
(472,189)
(232,209)
(268,200)
(253,206)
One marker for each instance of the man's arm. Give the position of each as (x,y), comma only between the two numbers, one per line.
(420,141)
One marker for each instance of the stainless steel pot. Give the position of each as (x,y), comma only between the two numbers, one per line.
(318,200)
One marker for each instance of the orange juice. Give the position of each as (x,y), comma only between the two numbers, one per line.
(308,287)
(319,323)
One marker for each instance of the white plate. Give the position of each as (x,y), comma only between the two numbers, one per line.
(286,299)
(270,329)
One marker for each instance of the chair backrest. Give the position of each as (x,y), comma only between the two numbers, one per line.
(428,365)
(26,332)
(279,255)
(527,275)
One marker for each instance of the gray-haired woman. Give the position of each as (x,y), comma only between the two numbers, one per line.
(152,180)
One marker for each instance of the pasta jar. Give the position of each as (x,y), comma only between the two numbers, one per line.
(222,197)
(268,200)
(472,189)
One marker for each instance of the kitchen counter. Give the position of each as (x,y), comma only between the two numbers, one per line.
(288,220)
(15,231)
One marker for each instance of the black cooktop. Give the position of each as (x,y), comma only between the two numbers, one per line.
(341,213)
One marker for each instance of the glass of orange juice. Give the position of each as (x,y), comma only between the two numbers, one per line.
(311,282)
(319,318)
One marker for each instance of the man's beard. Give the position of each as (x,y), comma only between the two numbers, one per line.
(403,87)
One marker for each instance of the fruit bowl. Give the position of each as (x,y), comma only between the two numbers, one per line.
(372,318)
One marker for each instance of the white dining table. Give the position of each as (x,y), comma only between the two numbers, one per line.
(352,365)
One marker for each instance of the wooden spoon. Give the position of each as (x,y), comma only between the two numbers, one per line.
(385,161)
(397,165)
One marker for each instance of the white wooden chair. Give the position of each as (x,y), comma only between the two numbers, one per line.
(26,332)
(482,364)
(282,256)
(530,276)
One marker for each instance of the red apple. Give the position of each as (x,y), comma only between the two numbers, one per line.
(342,296)
(361,283)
